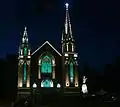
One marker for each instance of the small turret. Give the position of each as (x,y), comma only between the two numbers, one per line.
(25,36)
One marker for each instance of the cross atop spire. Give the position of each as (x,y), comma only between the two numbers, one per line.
(66,5)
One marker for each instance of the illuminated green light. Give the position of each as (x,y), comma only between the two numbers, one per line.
(25,51)
(71,72)
(47,83)
(46,64)
(25,71)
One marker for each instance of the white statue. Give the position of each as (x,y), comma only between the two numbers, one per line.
(84,86)
(84,80)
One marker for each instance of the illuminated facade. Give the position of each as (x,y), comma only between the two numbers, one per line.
(46,68)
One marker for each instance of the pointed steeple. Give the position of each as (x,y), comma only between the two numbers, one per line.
(68,30)
(69,54)
(67,37)
(24,48)
(24,62)
(67,25)
(25,36)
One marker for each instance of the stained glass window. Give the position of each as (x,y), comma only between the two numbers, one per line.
(25,72)
(71,72)
(25,51)
(46,64)
(47,83)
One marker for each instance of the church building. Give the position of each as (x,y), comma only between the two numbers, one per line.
(46,69)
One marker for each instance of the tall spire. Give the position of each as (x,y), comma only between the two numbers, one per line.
(69,54)
(68,30)
(67,37)
(25,36)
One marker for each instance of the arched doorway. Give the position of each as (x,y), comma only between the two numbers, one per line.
(47,83)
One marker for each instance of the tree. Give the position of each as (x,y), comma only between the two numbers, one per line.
(109,77)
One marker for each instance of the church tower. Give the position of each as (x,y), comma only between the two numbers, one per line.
(70,57)
(24,65)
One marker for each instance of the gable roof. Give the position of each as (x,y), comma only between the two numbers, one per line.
(43,45)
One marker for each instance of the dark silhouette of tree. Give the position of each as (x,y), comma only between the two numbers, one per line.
(8,76)
(2,70)
(117,73)
(109,77)
(11,71)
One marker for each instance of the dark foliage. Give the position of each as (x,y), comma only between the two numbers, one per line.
(8,77)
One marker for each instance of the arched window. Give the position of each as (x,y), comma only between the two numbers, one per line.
(71,72)
(25,51)
(47,83)
(46,64)
(25,72)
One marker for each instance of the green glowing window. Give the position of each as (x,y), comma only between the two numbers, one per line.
(46,83)
(25,51)
(71,72)
(25,72)
(46,66)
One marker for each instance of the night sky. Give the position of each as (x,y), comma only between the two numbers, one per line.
(95,24)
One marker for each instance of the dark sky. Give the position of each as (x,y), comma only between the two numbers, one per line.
(95,24)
